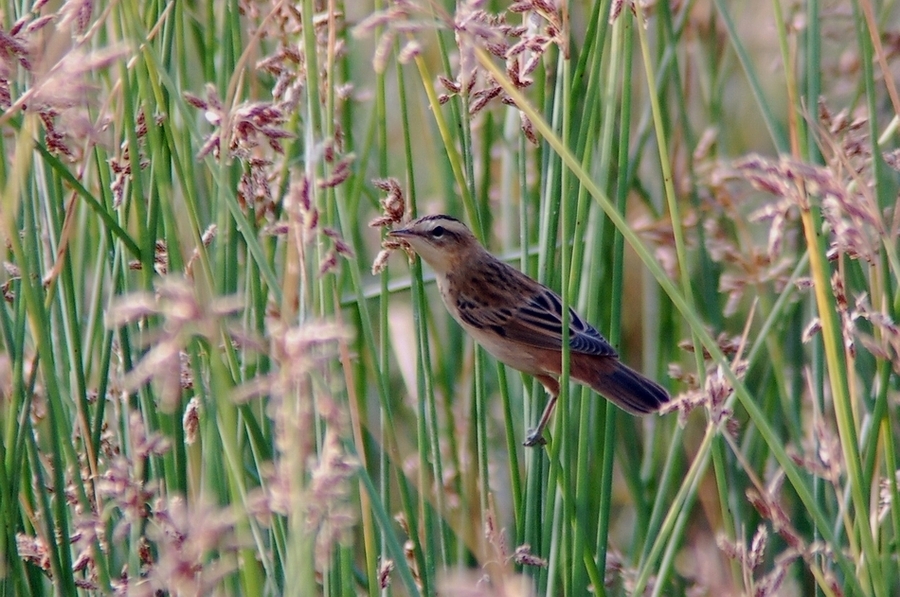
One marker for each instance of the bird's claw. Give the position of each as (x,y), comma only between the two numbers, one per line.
(534,438)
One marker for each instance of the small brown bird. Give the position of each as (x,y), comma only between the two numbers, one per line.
(519,320)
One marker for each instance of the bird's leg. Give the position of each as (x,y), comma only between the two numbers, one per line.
(535,437)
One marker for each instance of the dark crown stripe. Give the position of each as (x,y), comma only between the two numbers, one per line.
(438,217)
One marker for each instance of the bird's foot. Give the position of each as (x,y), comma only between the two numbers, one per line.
(535,437)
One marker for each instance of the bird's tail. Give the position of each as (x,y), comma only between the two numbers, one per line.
(629,389)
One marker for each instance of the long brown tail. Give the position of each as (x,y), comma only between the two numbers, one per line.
(629,389)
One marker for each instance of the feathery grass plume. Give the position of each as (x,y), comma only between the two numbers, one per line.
(300,393)
(301,212)
(885,344)
(76,13)
(849,205)
(191,421)
(240,129)
(32,549)
(469,584)
(856,228)
(330,514)
(751,559)
(206,240)
(821,454)
(159,439)
(123,484)
(66,83)
(716,391)
(395,20)
(58,86)
(160,259)
(521,47)
(195,548)
(384,573)
(123,166)
(185,316)
(810,553)
(499,578)
(393,208)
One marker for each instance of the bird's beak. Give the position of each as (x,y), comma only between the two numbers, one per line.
(402,233)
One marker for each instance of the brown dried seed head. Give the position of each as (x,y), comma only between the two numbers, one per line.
(545,6)
(757,551)
(191,421)
(380,222)
(329,263)
(343,249)
(528,129)
(39,23)
(409,51)
(385,184)
(449,84)
(811,330)
(384,573)
(524,557)
(381,261)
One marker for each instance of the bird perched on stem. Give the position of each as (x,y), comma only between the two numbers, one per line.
(519,320)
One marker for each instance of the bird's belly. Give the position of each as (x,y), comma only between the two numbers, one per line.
(510,353)
(523,358)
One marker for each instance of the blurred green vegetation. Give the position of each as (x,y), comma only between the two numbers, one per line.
(207,390)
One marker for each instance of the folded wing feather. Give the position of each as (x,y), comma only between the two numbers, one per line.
(536,322)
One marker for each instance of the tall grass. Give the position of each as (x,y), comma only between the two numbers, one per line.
(219,376)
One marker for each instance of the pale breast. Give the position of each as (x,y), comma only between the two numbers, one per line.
(510,353)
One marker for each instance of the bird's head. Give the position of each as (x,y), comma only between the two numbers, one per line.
(442,241)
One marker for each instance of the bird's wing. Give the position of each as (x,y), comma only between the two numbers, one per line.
(535,320)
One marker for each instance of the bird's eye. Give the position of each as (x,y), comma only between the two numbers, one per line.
(438,232)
